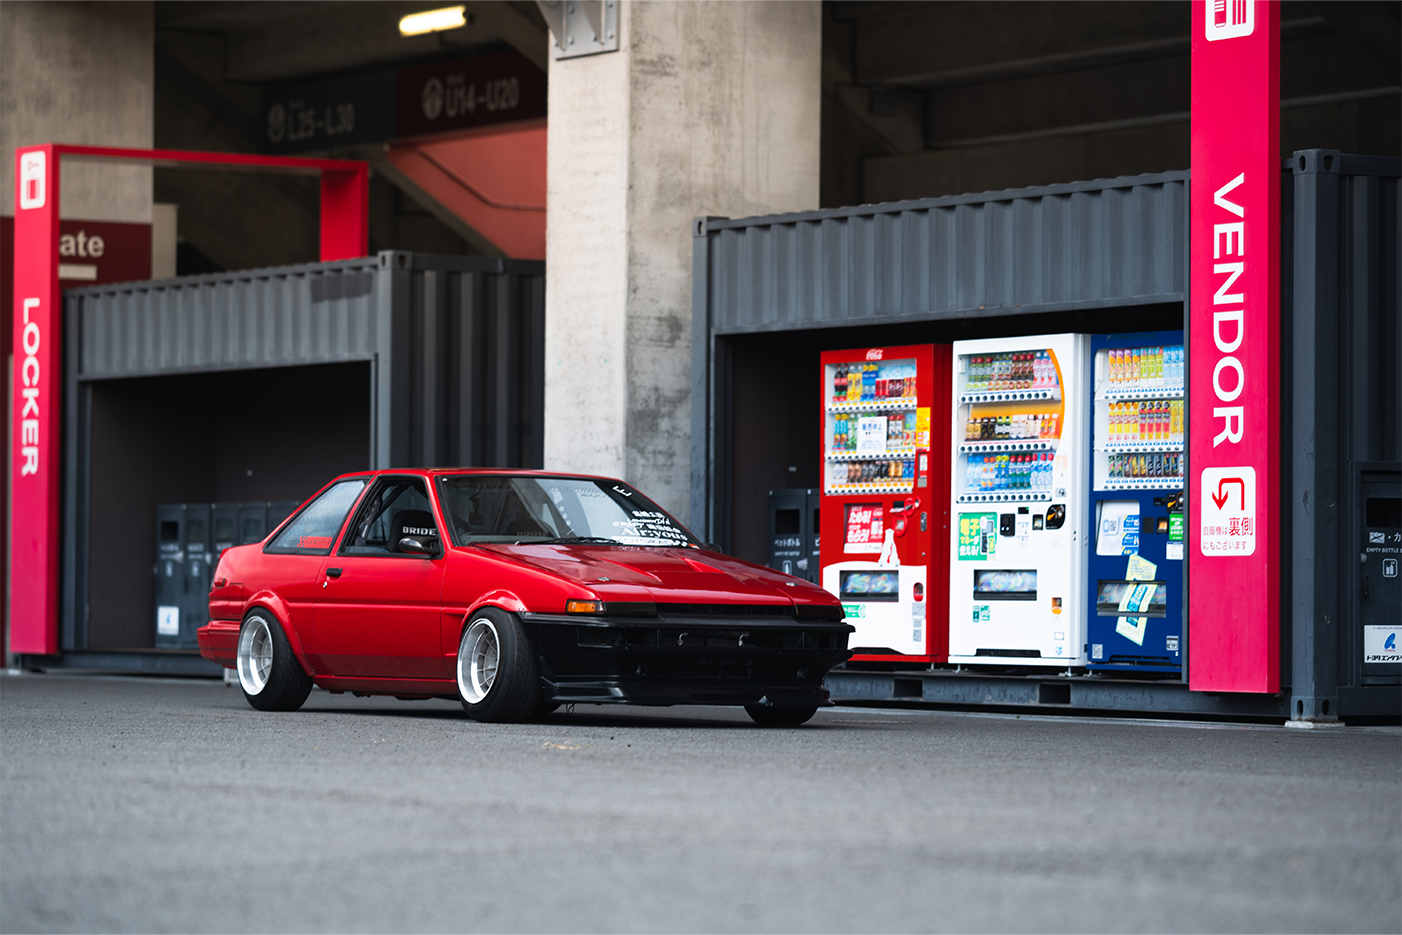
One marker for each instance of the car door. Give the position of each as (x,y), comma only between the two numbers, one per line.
(377,603)
(291,563)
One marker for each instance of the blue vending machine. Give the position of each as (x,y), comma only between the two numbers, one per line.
(1137,511)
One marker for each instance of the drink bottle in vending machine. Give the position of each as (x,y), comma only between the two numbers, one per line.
(884,518)
(1017,553)
(1136,509)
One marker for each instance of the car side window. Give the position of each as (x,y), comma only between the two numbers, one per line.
(313,530)
(396,509)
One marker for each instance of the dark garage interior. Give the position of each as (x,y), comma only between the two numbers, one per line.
(231,436)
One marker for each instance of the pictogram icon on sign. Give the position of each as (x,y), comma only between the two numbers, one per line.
(1230,19)
(1228,522)
(32,180)
(1389,568)
(1220,498)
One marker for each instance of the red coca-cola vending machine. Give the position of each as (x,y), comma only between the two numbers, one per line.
(884,547)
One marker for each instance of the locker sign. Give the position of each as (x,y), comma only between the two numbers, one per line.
(1234,348)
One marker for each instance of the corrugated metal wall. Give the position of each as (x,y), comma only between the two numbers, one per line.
(1085,245)
(456,343)
(454,347)
(1342,312)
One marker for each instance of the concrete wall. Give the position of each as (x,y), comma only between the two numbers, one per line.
(708,108)
(79,73)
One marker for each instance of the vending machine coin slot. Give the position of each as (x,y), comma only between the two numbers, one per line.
(1007,524)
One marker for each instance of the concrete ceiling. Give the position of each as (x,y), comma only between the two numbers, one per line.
(270,42)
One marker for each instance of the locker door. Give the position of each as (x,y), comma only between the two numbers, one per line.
(170,574)
(198,573)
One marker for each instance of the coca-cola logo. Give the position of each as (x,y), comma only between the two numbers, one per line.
(875,353)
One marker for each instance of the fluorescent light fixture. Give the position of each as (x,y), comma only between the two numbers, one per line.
(416,24)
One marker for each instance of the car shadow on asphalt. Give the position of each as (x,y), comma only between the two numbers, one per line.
(720,718)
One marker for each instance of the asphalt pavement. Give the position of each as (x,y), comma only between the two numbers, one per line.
(152,805)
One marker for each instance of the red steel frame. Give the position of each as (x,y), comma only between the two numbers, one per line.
(36,465)
(934,385)
(1233,484)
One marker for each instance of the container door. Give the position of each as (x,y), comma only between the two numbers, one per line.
(1379,581)
(378,603)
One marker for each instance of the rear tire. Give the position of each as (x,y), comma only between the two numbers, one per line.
(269,674)
(775,716)
(498,679)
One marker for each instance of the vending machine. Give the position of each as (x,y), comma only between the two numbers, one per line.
(883,518)
(1136,511)
(1016,548)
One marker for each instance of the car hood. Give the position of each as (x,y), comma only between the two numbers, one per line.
(667,575)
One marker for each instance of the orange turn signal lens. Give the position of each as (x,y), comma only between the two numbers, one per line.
(584,607)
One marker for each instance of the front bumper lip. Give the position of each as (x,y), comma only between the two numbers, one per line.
(664,692)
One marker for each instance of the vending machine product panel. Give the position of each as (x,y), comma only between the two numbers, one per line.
(883,518)
(1017,488)
(1136,510)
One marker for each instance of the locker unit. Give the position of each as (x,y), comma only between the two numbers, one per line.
(1016,543)
(1136,510)
(190,537)
(884,516)
(182,573)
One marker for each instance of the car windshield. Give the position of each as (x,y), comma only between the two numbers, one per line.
(498,508)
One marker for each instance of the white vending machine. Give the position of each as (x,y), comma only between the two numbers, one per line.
(1017,558)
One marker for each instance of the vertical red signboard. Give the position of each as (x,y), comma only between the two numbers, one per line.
(35,420)
(1234,394)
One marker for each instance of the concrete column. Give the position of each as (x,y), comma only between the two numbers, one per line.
(80,73)
(710,107)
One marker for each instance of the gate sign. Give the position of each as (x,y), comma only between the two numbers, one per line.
(1234,347)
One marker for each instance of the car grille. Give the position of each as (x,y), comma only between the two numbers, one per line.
(725,610)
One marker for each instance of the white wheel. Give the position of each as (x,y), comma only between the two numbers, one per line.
(479,654)
(255,658)
(270,676)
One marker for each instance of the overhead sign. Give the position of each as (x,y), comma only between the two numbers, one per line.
(1234,310)
(468,93)
(334,112)
(375,107)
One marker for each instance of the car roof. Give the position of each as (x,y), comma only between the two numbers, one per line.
(434,471)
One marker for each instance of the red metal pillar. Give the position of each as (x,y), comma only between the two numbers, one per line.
(38,346)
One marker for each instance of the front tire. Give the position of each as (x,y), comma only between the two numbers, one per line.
(775,716)
(498,678)
(270,676)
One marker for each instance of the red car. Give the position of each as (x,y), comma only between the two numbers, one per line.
(516,592)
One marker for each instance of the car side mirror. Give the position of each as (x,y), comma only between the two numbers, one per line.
(417,546)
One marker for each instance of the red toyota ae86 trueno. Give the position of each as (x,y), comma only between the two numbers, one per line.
(516,592)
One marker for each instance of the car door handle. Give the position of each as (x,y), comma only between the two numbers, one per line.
(333,572)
